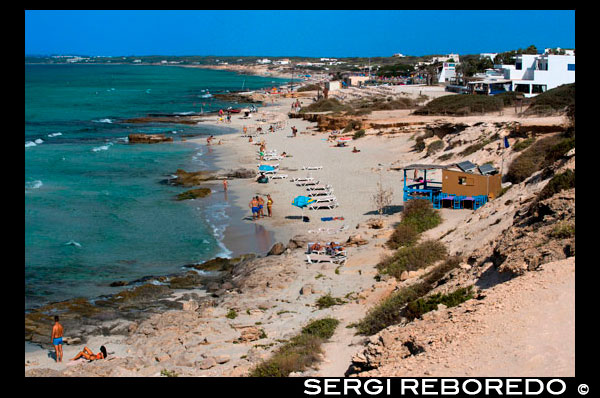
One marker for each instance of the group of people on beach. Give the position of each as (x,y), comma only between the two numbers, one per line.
(296,106)
(57,342)
(257,203)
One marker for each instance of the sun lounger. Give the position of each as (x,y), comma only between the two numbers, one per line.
(314,194)
(306,183)
(275,157)
(299,179)
(323,199)
(326,205)
(276,166)
(312,167)
(318,187)
(278,176)
(319,258)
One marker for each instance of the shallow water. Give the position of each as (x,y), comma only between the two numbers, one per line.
(95,208)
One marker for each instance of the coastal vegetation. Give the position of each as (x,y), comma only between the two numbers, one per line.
(328,301)
(558,99)
(392,309)
(558,183)
(416,309)
(461,105)
(310,87)
(300,352)
(539,155)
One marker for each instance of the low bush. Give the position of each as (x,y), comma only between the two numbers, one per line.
(520,145)
(416,309)
(403,235)
(420,214)
(434,147)
(358,134)
(413,258)
(458,104)
(299,353)
(445,156)
(559,98)
(310,87)
(563,230)
(325,105)
(540,154)
(328,301)
(558,183)
(232,314)
(389,311)
(474,147)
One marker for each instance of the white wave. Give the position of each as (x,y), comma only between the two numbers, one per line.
(39,141)
(73,243)
(54,134)
(124,139)
(206,96)
(103,147)
(185,113)
(173,132)
(102,121)
(33,184)
(29,144)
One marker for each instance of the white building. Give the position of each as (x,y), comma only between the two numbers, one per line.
(448,58)
(533,74)
(446,72)
(284,61)
(400,55)
(263,61)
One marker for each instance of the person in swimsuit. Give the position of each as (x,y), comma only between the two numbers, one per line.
(89,355)
(224,185)
(254,207)
(261,203)
(57,335)
(269,204)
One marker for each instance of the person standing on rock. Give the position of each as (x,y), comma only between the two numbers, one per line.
(57,335)
(225,185)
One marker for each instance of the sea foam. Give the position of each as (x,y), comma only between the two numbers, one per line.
(33,184)
(103,147)
(29,144)
(103,121)
(73,243)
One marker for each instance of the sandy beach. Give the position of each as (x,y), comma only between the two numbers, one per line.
(274,296)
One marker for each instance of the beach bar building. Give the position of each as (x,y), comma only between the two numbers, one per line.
(463,185)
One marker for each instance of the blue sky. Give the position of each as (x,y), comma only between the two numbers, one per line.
(288,33)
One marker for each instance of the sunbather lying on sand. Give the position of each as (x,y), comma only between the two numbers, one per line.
(89,355)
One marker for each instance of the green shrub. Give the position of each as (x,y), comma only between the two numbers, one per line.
(328,301)
(232,314)
(323,328)
(434,147)
(419,144)
(539,155)
(457,104)
(300,352)
(389,311)
(325,105)
(310,87)
(416,309)
(420,214)
(403,235)
(438,272)
(520,145)
(358,134)
(413,258)
(445,156)
(558,183)
(559,98)
(168,373)
(563,230)
(474,148)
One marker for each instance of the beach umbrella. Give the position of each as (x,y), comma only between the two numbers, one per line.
(266,167)
(302,202)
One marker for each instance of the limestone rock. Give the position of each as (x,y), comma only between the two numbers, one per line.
(206,363)
(277,249)
(190,306)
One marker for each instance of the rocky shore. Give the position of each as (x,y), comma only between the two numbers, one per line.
(223,317)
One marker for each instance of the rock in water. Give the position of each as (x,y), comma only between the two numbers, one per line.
(194,193)
(148,138)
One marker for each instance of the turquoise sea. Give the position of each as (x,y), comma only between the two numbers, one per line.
(96,208)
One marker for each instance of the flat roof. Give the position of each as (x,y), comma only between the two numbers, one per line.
(425,166)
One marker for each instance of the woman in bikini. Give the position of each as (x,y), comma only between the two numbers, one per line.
(89,355)
(269,204)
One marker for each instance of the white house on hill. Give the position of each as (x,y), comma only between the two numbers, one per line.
(533,74)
